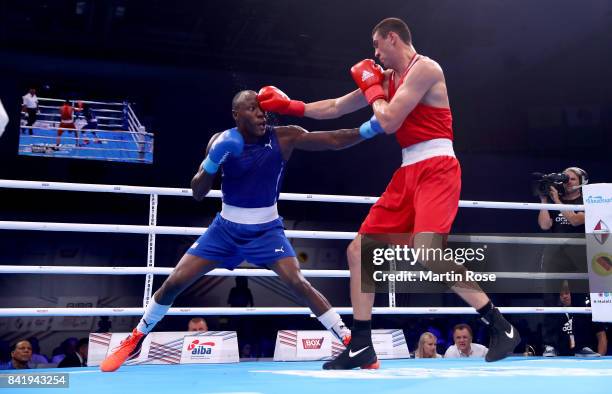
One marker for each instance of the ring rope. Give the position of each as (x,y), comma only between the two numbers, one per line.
(121,159)
(93,270)
(83,101)
(96,110)
(12,312)
(305,234)
(167,191)
(90,148)
(57,115)
(88,130)
(83,132)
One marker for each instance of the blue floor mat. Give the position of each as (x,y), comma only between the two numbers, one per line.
(448,376)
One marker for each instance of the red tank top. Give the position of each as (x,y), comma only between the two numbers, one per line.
(424,122)
(66,113)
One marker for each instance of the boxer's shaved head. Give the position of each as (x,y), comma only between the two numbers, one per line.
(240,97)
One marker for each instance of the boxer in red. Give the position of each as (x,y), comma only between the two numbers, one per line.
(410,100)
(66,122)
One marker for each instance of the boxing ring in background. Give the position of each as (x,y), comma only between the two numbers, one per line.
(510,376)
(120,136)
(112,117)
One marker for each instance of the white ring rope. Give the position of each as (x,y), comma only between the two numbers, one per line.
(141,229)
(306,234)
(101,131)
(91,270)
(82,101)
(167,191)
(133,116)
(84,134)
(57,115)
(83,147)
(96,110)
(12,312)
(122,159)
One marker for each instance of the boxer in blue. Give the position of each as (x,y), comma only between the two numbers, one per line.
(252,157)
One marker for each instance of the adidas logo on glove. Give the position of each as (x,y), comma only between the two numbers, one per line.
(366,74)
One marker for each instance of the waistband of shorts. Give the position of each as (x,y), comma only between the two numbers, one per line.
(427,149)
(249,215)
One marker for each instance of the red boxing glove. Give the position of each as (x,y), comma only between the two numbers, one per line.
(369,77)
(273,99)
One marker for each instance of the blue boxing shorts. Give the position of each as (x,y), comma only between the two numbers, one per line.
(230,243)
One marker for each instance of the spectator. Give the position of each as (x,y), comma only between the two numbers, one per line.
(20,356)
(463,347)
(437,328)
(240,296)
(427,346)
(574,332)
(77,358)
(197,324)
(67,347)
(30,106)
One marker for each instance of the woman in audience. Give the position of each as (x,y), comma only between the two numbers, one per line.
(427,346)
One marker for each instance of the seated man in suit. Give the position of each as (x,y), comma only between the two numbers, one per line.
(77,358)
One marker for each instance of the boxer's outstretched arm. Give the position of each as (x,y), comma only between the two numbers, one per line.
(334,108)
(295,137)
(202,181)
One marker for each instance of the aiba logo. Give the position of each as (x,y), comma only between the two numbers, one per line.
(312,343)
(197,348)
(601,232)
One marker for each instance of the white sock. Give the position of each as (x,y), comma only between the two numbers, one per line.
(332,321)
(153,314)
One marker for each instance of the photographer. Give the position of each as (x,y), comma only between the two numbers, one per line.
(564,221)
(560,189)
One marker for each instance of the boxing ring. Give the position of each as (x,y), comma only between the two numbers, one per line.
(517,374)
(119,135)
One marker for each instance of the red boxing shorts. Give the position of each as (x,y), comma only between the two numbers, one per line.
(66,126)
(421,197)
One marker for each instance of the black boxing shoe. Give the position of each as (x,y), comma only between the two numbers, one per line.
(503,337)
(362,356)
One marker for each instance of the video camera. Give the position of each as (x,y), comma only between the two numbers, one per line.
(541,183)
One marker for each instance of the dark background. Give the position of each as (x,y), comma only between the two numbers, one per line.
(529,84)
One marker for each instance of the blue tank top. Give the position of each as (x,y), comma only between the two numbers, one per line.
(253,179)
